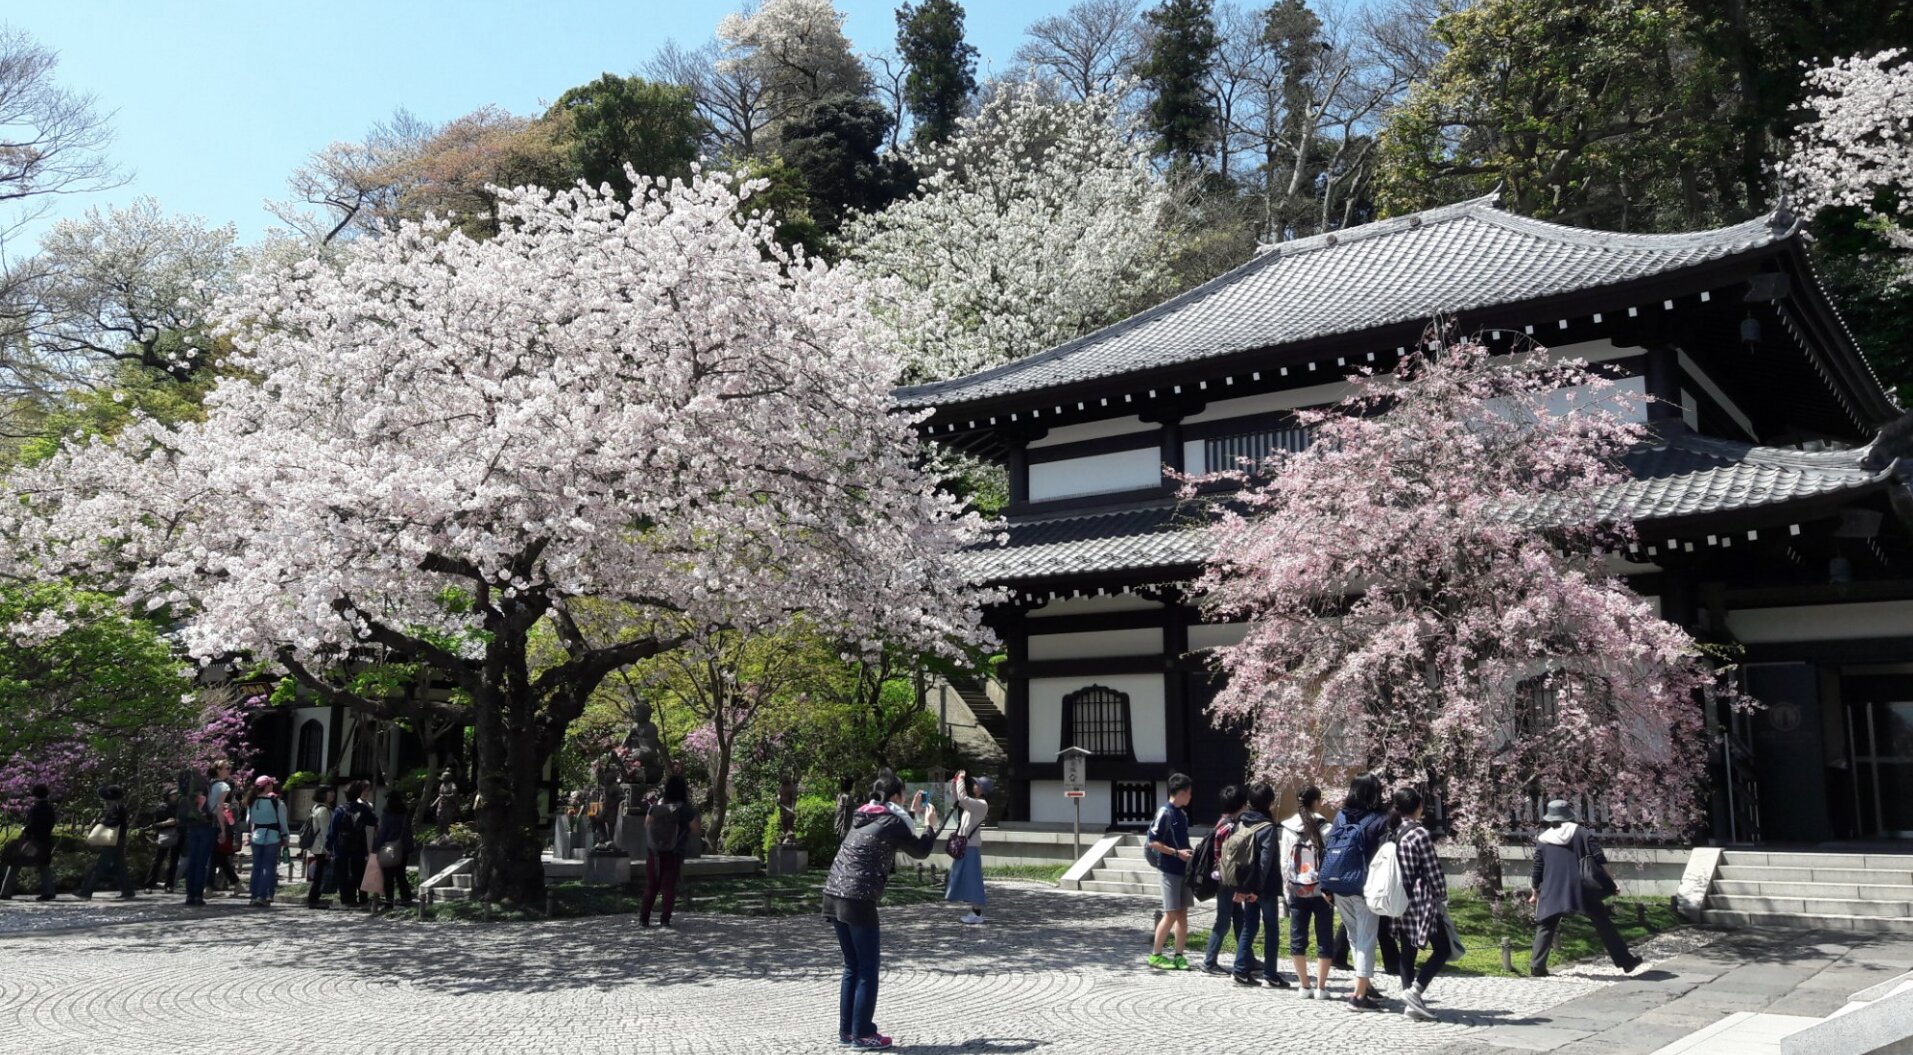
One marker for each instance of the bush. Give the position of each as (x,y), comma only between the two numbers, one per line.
(304,778)
(744,828)
(816,830)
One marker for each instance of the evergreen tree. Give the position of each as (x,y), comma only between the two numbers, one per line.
(615,121)
(1176,70)
(834,145)
(942,66)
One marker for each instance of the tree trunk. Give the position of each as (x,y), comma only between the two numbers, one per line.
(720,792)
(510,868)
(1488,867)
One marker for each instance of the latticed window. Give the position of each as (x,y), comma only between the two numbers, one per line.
(1226,452)
(1096,719)
(311,747)
(1537,706)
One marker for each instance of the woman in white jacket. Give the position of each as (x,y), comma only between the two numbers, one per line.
(1302,836)
(966,872)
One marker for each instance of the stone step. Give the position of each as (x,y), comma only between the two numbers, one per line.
(1116,865)
(1849,891)
(1789,874)
(1786,859)
(1791,921)
(452,893)
(1809,906)
(1096,886)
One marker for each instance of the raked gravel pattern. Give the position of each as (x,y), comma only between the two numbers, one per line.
(1051,972)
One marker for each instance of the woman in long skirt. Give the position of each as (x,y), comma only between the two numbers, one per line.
(966,872)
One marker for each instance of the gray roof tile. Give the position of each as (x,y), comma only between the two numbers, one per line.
(1452,259)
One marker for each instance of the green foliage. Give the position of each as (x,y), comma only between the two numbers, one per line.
(617,121)
(834,145)
(304,778)
(816,829)
(102,411)
(785,199)
(942,67)
(1182,52)
(1859,269)
(744,828)
(413,784)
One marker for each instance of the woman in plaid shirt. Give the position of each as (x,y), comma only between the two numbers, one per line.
(1425,925)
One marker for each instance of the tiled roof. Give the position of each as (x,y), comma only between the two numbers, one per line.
(1452,259)
(1687,475)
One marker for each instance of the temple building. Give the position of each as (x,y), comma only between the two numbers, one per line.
(1772,514)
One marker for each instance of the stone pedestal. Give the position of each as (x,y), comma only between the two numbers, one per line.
(607,869)
(788,860)
(630,834)
(433,859)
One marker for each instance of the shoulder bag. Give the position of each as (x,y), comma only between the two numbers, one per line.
(958,843)
(1596,884)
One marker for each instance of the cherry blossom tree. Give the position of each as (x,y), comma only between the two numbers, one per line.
(1038,221)
(1425,595)
(438,447)
(1858,150)
(797,51)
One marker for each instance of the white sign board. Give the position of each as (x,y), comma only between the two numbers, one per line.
(1073,773)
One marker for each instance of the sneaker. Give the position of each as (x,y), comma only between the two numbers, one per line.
(845,1040)
(1355,1003)
(1419,1014)
(873,1042)
(971,918)
(1630,965)
(318,904)
(1212,967)
(1278,982)
(1319,992)
(44,897)
(1247,979)
(1414,1001)
(1161,962)
(1180,963)
(1539,972)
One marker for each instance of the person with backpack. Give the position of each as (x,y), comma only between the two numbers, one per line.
(34,847)
(669,826)
(395,847)
(1205,871)
(1303,841)
(879,830)
(1251,863)
(1566,857)
(266,813)
(109,837)
(1352,843)
(965,847)
(226,840)
(312,840)
(1167,848)
(1425,924)
(198,832)
(349,841)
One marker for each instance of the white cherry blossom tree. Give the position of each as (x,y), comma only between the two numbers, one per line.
(433,449)
(1858,150)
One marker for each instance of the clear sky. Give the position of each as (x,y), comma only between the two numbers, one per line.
(214,102)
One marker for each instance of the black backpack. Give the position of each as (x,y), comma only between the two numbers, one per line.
(663,829)
(1202,867)
(308,833)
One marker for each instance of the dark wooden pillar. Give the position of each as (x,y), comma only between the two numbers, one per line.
(1663,377)
(1018,469)
(1175,689)
(1016,646)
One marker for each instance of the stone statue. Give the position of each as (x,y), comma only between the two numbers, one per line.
(445,808)
(608,774)
(787,811)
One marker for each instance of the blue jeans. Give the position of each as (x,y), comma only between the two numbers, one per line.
(1264,914)
(857,999)
(1227,919)
(199,858)
(265,871)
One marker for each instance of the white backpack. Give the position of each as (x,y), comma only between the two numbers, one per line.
(1385,892)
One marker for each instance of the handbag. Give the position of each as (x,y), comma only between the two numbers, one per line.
(374,881)
(1457,949)
(958,843)
(102,837)
(168,838)
(391,855)
(1595,882)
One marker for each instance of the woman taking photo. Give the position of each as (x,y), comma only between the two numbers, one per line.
(878,830)
(966,871)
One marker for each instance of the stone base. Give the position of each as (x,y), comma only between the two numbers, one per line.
(607,870)
(435,859)
(788,861)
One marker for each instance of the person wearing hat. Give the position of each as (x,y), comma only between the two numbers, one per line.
(266,813)
(111,865)
(966,871)
(1555,888)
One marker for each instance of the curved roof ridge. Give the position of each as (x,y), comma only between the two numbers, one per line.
(1772,226)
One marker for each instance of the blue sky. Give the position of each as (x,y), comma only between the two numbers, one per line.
(215,102)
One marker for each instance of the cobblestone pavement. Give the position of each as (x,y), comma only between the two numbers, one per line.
(1051,972)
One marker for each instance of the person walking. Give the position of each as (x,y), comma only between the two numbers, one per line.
(669,826)
(1425,925)
(164,824)
(1301,848)
(1351,844)
(198,832)
(966,871)
(110,866)
(34,847)
(395,846)
(266,812)
(219,802)
(349,841)
(1233,801)
(1261,895)
(1556,889)
(878,831)
(318,853)
(1168,838)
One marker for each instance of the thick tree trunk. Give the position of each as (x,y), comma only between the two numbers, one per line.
(720,793)
(510,760)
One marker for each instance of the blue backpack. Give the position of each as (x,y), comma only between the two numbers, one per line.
(1345,857)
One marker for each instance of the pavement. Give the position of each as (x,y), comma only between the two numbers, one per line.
(1054,972)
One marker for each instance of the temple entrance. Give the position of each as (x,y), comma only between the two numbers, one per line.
(1879,726)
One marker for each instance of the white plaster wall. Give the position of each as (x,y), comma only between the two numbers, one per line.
(1822,622)
(1148,729)
(1585,398)
(1121,602)
(1215,635)
(1096,474)
(1145,641)
(1048,806)
(1269,402)
(1195,457)
(1094,430)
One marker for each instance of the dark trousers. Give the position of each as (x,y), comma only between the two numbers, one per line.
(108,870)
(351,874)
(1264,915)
(857,997)
(1384,945)
(223,866)
(1228,921)
(1545,931)
(1304,911)
(1439,953)
(661,872)
(13,876)
(395,878)
(166,859)
(315,876)
(199,858)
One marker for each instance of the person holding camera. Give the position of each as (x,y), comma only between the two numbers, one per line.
(878,830)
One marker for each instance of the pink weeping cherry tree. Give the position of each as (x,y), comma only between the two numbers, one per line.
(440,452)
(1426,595)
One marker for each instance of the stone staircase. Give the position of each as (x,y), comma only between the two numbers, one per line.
(1123,870)
(1866,893)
